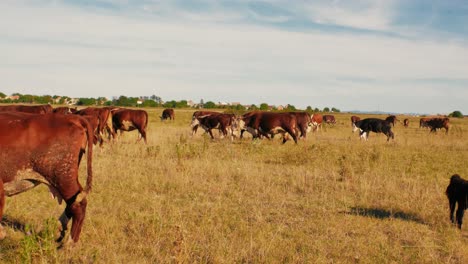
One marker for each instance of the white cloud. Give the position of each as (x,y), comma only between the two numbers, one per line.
(67,51)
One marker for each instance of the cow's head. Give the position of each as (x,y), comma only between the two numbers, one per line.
(195,122)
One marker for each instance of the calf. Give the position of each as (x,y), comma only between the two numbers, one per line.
(457,193)
(375,125)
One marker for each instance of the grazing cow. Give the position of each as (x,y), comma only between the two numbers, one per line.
(423,121)
(438,123)
(168,114)
(304,123)
(197,114)
(64,110)
(46,149)
(317,120)
(457,192)
(354,119)
(406,122)
(226,123)
(375,125)
(268,124)
(329,119)
(129,119)
(33,109)
(391,119)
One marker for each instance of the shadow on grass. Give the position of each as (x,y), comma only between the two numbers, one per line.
(13,223)
(384,214)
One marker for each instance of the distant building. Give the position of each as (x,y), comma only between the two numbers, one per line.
(280,107)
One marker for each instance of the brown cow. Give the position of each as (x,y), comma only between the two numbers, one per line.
(105,118)
(391,119)
(197,114)
(64,110)
(317,120)
(329,119)
(46,149)
(129,119)
(438,123)
(457,193)
(406,122)
(226,123)
(32,109)
(168,114)
(304,123)
(268,124)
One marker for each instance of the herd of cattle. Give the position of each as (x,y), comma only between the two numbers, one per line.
(41,144)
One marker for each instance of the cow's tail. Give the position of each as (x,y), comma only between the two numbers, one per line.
(89,162)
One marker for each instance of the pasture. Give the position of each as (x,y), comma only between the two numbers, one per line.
(331,198)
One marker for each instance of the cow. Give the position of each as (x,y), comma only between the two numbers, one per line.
(167,114)
(304,123)
(391,119)
(329,119)
(226,123)
(354,119)
(129,119)
(457,193)
(423,122)
(105,119)
(33,109)
(406,122)
(197,114)
(375,125)
(268,124)
(64,110)
(317,120)
(438,123)
(46,149)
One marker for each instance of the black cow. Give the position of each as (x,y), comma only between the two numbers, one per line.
(457,192)
(438,123)
(375,125)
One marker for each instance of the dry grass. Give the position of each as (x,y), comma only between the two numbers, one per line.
(331,198)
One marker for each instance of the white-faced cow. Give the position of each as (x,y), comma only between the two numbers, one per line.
(129,120)
(197,114)
(317,120)
(375,125)
(268,124)
(304,123)
(167,114)
(226,123)
(46,149)
(354,119)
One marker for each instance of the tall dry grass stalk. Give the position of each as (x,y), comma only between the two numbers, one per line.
(330,198)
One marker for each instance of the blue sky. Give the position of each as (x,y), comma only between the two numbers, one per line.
(388,55)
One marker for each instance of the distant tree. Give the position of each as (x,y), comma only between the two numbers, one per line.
(264,106)
(316,110)
(290,108)
(170,104)
(182,104)
(86,101)
(149,103)
(457,114)
(309,109)
(326,109)
(335,110)
(126,101)
(209,104)
(2,95)
(253,107)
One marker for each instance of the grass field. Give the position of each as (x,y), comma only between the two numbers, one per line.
(329,199)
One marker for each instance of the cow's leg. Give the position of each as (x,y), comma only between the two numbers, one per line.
(292,133)
(460,211)
(2,205)
(211,133)
(452,204)
(75,210)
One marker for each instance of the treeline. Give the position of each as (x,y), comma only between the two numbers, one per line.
(144,101)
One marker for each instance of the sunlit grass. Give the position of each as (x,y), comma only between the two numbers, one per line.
(330,198)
